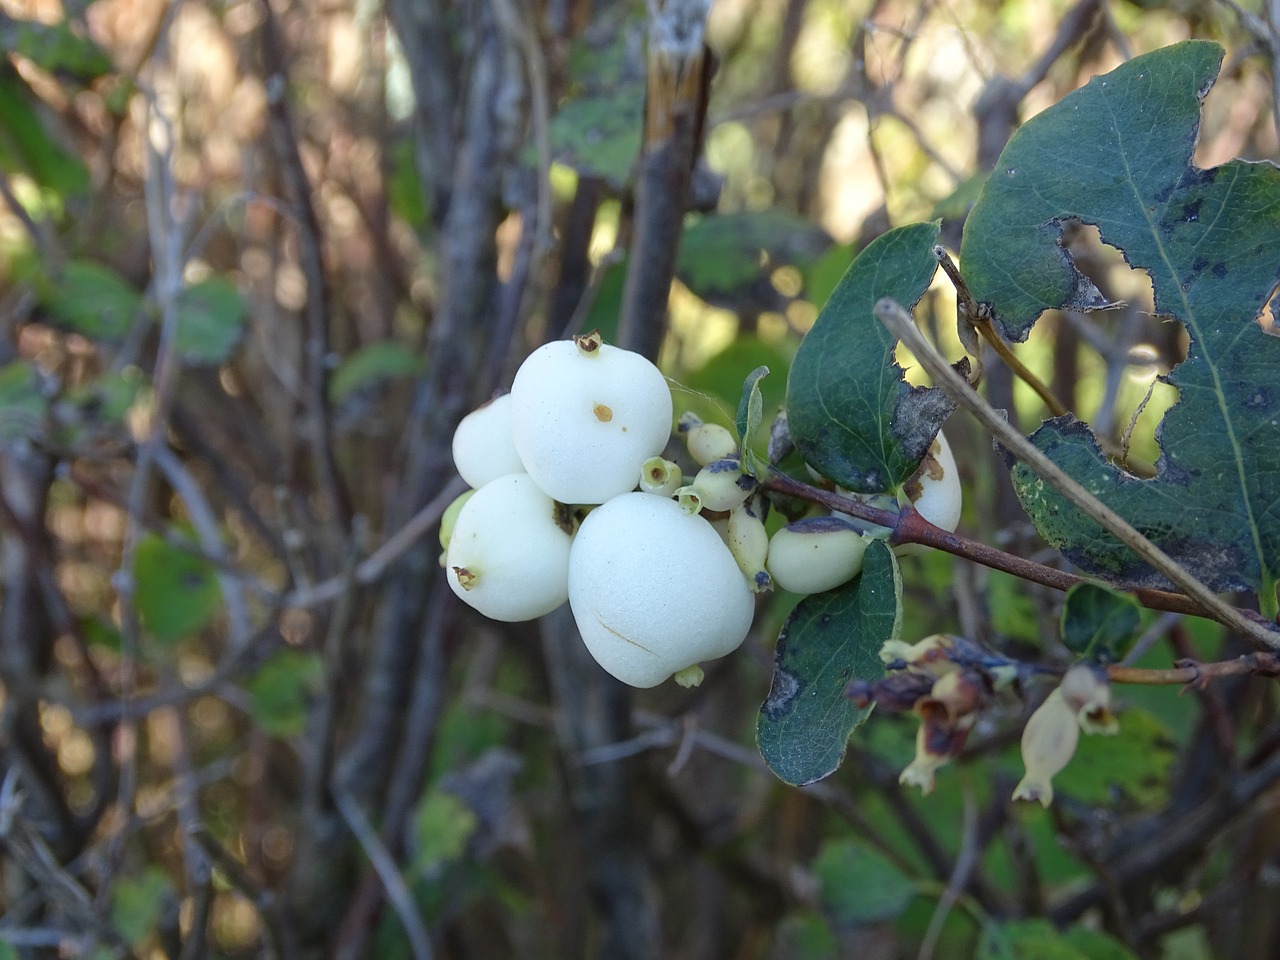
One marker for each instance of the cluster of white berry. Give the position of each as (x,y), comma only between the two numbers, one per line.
(661,578)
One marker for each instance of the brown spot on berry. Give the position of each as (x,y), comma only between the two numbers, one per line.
(603,413)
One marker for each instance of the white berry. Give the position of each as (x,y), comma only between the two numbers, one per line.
(817,554)
(654,590)
(509,553)
(483,448)
(586,416)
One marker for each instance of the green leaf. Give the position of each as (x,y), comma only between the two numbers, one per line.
(723,257)
(26,146)
(22,405)
(859,885)
(750,409)
(852,416)
(1100,623)
(1118,154)
(1135,762)
(829,639)
(1040,940)
(136,901)
(805,935)
(176,592)
(210,321)
(55,47)
(90,299)
(956,204)
(282,689)
(370,365)
(599,135)
(441,829)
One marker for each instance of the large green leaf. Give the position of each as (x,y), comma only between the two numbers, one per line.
(852,416)
(829,639)
(283,688)
(1117,154)
(599,135)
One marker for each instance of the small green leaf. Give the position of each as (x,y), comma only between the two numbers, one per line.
(852,416)
(726,257)
(176,592)
(599,135)
(370,365)
(405,195)
(1135,762)
(1099,623)
(805,935)
(1118,153)
(22,405)
(1040,940)
(830,639)
(210,321)
(282,689)
(750,409)
(55,47)
(442,827)
(136,901)
(90,299)
(26,146)
(859,885)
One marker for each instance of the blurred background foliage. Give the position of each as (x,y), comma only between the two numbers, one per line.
(230,248)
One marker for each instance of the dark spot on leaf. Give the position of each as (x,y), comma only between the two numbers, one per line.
(783,694)
(1219,270)
(1191,212)
(1262,398)
(917,417)
(1198,265)
(824,620)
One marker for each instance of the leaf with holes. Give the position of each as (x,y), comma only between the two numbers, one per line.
(852,416)
(830,639)
(1118,154)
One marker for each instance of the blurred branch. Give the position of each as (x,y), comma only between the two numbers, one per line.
(284,137)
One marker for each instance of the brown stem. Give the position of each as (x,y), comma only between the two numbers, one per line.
(1199,674)
(909,527)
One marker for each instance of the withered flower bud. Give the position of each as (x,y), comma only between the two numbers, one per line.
(1048,743)
(1087,692)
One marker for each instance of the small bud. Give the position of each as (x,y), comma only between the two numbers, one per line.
(690,499)
(722,485)
(660,477)
(690,676)
(933,653)
(749,544)
(1088,693)
(709,442)
(589,344)
(1048,743)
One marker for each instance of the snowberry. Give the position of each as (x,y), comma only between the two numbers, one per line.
(509,553)
(816,554)
(707,442)
(935,490)
(483,448)
(585,416)
(660,476)
(654,590)
(749,543)
(721,485)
